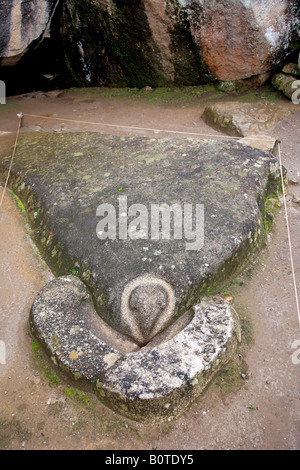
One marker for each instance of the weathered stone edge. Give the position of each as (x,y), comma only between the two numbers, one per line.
(57,323)
(225,122)
(61,263)
(165,407)
(62,327)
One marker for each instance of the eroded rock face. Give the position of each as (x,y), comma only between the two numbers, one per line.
(132,43)
(22,24)
(154,42)
(185,42)
(241,39)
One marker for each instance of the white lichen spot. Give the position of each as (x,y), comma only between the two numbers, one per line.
(42,314)
(111,358)
(272,36)
(75,330)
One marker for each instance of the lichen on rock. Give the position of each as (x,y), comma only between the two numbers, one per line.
(118,313)
(140,43)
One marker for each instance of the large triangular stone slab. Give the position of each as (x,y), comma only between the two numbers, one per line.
(92,201)
(69,182)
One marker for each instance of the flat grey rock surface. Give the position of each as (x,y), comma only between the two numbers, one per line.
(152,384)
(130,312)
(244,119)
(63,178)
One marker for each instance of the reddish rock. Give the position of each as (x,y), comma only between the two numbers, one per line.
(137,43)
(241,39)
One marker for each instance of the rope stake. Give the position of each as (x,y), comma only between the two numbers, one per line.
(20,116)
(288,231)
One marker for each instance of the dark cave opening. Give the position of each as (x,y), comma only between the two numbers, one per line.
(41,67)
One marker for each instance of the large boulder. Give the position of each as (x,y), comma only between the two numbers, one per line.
(101,218)
(131,42)
(150,42)
(23,24)
(140,233)
(240,39)
(186,41)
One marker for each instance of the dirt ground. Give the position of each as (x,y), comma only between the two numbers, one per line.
(260,410)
